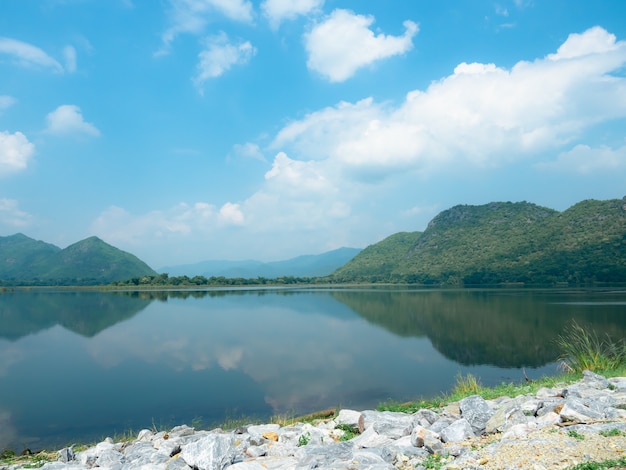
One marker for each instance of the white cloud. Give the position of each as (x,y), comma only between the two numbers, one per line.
(68,119)
(6,102)
(11,215)
(15,151)
(191,16)
(231,214)
(584,160)
(336,170)
(219,56)
(249,151)
(70,58)
(277,11)
(183,220)
(593,41)
(481,115)
(343,43)
(27,55)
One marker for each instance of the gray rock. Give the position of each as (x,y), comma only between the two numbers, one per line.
(442,423)
(181,431)
(212,452)
(263,428)
(348,418)
(421,435)
(425,418)
(109,458)
(319,456)
(145,435)
(257,451)
(66,455)
(175,463)
(476,411)
(507,415)
(574,410)
(370,438)
(591,379)
(457,431)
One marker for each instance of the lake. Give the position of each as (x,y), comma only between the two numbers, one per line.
(77,366)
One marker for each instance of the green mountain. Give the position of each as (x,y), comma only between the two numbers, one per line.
(24,261)
(503,242)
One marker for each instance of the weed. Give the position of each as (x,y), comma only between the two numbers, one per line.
(604,465)
(304,439)
(26,461)
(466,385)
(585,350)
(349,433)
(434,461)
(611,432)
(576,435)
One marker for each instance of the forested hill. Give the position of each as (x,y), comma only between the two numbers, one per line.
(503,242)
(24,261)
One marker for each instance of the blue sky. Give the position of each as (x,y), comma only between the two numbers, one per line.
(188,130)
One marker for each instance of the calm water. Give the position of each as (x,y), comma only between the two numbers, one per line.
(78,366)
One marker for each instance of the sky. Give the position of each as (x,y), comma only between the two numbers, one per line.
(191,130)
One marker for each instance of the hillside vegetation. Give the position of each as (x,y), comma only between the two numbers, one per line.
(24,261)
(503,242)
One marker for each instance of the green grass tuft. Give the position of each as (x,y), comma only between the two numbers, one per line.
(604,465)
(583,349)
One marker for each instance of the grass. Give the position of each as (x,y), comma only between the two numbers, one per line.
(585,350)
(604,465)
(576,435)
(37,460)
(611,432)
(467,385)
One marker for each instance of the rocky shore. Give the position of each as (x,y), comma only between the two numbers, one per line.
(552,429)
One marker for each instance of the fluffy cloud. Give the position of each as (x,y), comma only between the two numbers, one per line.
(68,119)
(231,214)
(584,160)
(277,11)
(337,170)
(11,215)
(219,56)
(15,151)
(120,226)
(481,115)
(191,16)
(343,43)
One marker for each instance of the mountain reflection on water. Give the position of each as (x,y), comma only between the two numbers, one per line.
(80,365)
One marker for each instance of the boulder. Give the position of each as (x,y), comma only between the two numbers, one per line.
(458,431)
(213,451)
(476,411)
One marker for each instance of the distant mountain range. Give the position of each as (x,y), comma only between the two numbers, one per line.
(25,261)
(502,242)
(301,266)
(495,243)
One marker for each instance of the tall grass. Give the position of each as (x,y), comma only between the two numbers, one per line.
(583,349)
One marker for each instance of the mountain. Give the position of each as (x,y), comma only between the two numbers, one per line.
(24,261)
(503,242)
(301,266)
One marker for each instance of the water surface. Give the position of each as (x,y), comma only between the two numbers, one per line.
(77,366)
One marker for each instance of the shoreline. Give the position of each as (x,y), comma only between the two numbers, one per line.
(585,420)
